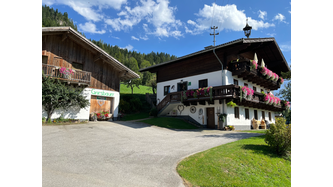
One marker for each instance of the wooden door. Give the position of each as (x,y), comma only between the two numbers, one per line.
(210,118)
(98,104)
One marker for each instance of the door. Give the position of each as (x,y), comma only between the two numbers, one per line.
(98,104)
(181,86)
(210,118)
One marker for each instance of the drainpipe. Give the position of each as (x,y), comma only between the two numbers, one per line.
(221,79)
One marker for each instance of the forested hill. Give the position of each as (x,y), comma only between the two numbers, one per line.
(131,59)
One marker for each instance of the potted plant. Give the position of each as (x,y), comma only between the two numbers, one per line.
(66,73)
(231,104)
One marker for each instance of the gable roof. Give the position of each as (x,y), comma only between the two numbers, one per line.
(270,52)
(128,73)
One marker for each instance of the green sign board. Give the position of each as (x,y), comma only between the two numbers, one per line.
(102,93)
(189,83)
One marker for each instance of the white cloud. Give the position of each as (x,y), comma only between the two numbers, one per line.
(280,18)
(135,38)
(285,47)
(144,37)
(158,14)
(225,17)
(271,34)
(262,14)
(128,47)
(90,28)
(86,7)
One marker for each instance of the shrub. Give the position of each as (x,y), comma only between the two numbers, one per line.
(153,112)
(43,119)
(124,106)
(135,104)
(278,137)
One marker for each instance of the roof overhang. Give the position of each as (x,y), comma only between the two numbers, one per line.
(125,72)
(265,48)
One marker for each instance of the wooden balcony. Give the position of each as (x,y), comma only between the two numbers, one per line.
(228,92)
(79,77)
(242,69)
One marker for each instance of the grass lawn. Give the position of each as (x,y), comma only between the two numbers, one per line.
(171,123)
(142,90)
(247,162)
(254,131)
(134,116)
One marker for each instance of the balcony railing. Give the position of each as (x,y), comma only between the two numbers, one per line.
(228,92)
(242,69)
(82,77)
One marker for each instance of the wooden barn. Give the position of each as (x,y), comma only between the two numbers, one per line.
(94,69)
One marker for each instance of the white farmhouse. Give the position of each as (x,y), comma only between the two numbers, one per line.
(253,65)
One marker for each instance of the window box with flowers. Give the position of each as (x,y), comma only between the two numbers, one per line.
(246,92)
(286,104)
(270,99)
(66,73)
(201,92)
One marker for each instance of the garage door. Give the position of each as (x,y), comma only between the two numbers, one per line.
(98,104)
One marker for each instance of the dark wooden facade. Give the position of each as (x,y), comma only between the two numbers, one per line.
(205,61)
(64,47)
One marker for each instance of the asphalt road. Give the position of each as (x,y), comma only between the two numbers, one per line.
(122,154)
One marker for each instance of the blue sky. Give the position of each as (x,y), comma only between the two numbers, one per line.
(177,27)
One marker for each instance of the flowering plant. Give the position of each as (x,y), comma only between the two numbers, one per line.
(280,80)
(254,64)
(66,71)
(276,77)
(247,92)
(286,104)
(270,99)
(264,71)
(208,91)
(103,114)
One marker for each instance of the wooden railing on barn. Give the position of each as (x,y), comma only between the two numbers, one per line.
(83,77)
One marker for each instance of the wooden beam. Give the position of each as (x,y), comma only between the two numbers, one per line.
(64,36)
(98,57)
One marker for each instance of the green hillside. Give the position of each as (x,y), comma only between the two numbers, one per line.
(142,90)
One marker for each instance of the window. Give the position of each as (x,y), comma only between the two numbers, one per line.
(235,82)
(270,116)
(166,90)
(203,83)
(246,85)
(255,115)
(247,115)
(263,115)
(254,88)
(44,59)
(236,112)
(77,66)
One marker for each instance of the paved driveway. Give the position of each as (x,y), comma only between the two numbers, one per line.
(122,153)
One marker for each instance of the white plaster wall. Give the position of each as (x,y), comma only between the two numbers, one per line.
(214,79)
(231,120)
(73,113)
(201,119)
(83,114)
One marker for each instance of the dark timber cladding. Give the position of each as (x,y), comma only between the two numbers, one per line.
(64,47)
(204,61)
